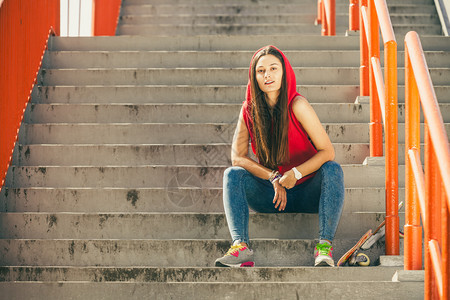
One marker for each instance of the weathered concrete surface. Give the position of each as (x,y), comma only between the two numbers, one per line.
(175,225)
(409,276)
(191,113)
(163,154)
(119,200)
(209,76)
(214,59)
(198,274)
(170,177)
(392,260)
(299,290)
(162,253)
(225,43)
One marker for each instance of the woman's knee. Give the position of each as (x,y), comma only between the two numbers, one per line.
(234,174)
(332,168)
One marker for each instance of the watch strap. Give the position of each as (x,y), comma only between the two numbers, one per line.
(297,173)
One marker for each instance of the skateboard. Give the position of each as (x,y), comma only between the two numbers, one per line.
(353,256)
(354,249)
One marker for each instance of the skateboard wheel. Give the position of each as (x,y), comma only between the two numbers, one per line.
(362,259)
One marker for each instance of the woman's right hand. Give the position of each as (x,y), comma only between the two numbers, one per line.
(280,198)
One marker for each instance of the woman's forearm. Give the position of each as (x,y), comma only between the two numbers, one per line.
(252,166)
(314,163)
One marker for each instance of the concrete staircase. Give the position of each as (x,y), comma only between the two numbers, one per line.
(115,187)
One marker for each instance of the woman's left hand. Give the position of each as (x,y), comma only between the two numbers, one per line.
(288,180)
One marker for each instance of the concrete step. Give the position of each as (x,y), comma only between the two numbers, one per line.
(163,154)
(197,94)
(236,9)
(208,76)
(226,29)
(187,94)
(226,43)
(257,2)
(213,59)
(185,59)
(170,177)
(152,274)
(161,133)
(190,113)
(151,133)
(180,113)
(171,133)
(162,253)
(135,155)
(183,199)
(257,290)
(415,18)
(257,29)
(175,225)
(214,19)
(421,29)
(202,2)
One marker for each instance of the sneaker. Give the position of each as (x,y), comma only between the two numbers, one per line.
(237,256)
(323,254)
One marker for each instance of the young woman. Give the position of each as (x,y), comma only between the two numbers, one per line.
(295,172)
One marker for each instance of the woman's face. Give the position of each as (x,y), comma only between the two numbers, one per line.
(269,74)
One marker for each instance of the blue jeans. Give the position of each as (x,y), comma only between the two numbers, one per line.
(322,194)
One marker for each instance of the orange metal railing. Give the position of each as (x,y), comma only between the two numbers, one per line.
(374,15)
(326,15)
(353,15)
(105,14)
(426,195)
(25,27)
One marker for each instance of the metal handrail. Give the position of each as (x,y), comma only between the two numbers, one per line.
(326,15)
(427,195)
(374,15)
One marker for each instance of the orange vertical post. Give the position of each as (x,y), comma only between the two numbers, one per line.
(324,19)
(332,12)
(427,257)
(432,226)
(413,230)
(364,56)
(329,17)
(375,126)
(353,15)
(319,12)
(391,141)
(445,242)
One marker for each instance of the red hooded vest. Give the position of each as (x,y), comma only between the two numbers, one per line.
(301,148)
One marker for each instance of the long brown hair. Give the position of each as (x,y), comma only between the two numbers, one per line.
(270,129)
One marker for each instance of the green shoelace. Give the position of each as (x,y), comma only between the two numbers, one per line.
(324,249)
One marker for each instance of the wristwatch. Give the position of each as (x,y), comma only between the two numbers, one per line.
(297,173)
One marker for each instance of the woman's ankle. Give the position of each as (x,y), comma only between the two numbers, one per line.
(240,243)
